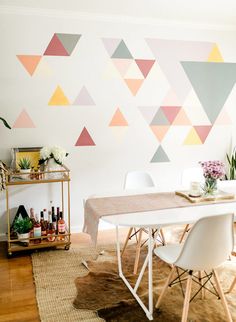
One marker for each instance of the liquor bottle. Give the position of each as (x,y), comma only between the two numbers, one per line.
(32,218)
(51,230)
(54,219)
(61,226)
(43,225)
(37,231)
(58,217)
(46,219)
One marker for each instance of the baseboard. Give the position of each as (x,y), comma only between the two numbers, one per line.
(102,226)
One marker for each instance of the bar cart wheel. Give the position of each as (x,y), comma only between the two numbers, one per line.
(67,247)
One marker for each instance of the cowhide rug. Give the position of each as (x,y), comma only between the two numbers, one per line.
(103,291)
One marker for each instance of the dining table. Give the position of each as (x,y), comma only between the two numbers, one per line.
(149,209)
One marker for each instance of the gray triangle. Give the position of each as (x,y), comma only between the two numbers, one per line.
(122,51)
(69,41)
(160,156)
(160,118)
(212,83)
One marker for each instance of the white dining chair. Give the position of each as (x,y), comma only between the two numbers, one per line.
(207,246)
(189,175)
(139,180)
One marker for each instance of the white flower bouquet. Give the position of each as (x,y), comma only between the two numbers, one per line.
(55,152)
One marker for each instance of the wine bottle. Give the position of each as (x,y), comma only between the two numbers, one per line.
(37,231)
(54,219)
(61,226)
(32,218)
(43,224)
(58,217)
(51,230)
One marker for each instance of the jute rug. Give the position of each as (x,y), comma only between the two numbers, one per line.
(68,291)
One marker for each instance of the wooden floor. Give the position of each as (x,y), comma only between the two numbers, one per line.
(17,290)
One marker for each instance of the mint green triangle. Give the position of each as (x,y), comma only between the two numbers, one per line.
(160,118)
(122,51)
(69,41)
(160,156)
(212,83)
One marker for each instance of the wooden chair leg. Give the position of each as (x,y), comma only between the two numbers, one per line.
(184,232)
(164,289)
(126,241)
(138,249)
(222,296)
(203,289)
(162,237)
(187,299)
(232,286)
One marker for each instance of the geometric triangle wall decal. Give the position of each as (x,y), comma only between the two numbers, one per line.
(55,48)
(192,138)
(84,139)
(134,85)
(110,44)
(122,65)
(223,119)
(84,98)
(23,121)
(58,98)
(171,112)
(148,112)
(203,131)
(30,62)
(133,72)
(122,51)
(145,65)
(212,83)
(160,156)
(215,55)
(171,99)
(118,119)
(181,118)
(160,131)
(69,41)
(160,118)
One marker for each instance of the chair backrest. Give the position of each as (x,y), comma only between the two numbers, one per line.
(209,243)
(192,174)
(138,179)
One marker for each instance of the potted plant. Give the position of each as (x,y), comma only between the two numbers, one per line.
(24,165)
(22,227)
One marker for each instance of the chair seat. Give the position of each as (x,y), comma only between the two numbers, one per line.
(168,253)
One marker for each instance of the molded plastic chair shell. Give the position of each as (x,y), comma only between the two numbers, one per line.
(138,179)
(208,245)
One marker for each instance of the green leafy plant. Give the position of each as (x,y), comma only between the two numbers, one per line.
(22,226)
(232,166)
(5,123)
(24,163)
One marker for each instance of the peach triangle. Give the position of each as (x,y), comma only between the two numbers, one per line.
(23,121)
(160,131)
(215,55)
(134,85)
(171,99)
(58,98)
(84,139)
(181,118)
(192,138)
(203,131)
(122,65)
(30,62)
(223,119)
(118,119)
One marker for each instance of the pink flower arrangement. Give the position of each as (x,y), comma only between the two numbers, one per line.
(213,169)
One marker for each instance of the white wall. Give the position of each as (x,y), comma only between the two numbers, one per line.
(95,169)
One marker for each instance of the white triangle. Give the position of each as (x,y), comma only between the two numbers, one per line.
(43,69)
(133,72)
(111,72)
(194,110)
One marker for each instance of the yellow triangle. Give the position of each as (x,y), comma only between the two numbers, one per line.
(58,98)
(192,138)
(215,55)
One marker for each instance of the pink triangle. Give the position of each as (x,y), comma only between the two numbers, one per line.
(203,131)
(171,99)
(84,139)
(145,65)
(171,112)
(223,119)
(122,65)
(83,98)
(23,121)
(55,48)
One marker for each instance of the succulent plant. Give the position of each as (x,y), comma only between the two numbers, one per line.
(24,163)
(22,226)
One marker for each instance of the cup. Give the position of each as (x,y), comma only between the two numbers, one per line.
(195,189)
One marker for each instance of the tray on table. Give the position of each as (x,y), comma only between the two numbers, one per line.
(220,195)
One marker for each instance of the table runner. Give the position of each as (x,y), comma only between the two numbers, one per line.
(95,208)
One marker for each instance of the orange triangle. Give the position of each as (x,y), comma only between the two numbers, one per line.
(181,118)
(30,62)
(160,131)
(23,121)
(118,119)
(134,85)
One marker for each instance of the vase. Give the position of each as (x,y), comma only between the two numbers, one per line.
(210,187)
(25,174)
(51,167)
(24,238)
